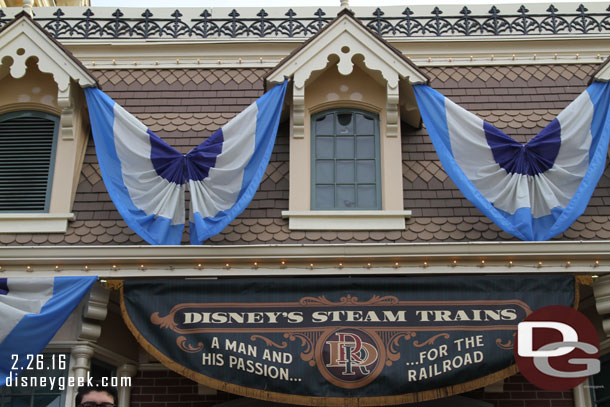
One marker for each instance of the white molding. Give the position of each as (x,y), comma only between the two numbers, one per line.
(346,220)
(601,291)
(344,39)
(210,261)
(23,40)
(34,222)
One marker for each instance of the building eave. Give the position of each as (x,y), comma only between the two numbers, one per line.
(587,257)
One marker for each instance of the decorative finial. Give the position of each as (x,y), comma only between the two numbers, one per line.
(344,3)
(27,6)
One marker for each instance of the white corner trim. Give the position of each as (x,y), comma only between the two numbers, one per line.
(34,222)
(346,220)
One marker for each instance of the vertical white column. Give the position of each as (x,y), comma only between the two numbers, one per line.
(80,364)
(126,370)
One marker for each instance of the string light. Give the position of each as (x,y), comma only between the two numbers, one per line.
(425,264)
(510,263)
(93,63)
(199,266)
(340,265)
(1,268)
(227,266)
(57,268)
(594,276)
(86,268)
(568,263)
(28,268)
(177,60)
(142,267)
(539,264)
(482,263)
(255,265)
(596,263)
(283,264)
(454,263)
(260,60)
(311,266)
(114,267)
(396,265)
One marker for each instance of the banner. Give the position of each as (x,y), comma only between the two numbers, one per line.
(533,191)
(146,177)
(33,310)
(318,341)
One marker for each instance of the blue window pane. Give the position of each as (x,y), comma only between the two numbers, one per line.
(345,171)
(325,172)
(325,147)
(345,124)
(346,197)
(365,171)
(345,147)
(365,146)
(367,196)
(364,125)
(324,125)
(325,196)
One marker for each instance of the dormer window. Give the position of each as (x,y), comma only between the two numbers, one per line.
(345,147)
(346,169)
(43,129)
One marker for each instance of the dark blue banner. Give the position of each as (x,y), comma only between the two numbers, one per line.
(305,340)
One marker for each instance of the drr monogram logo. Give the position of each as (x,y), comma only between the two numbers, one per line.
(349,352)
(350,357)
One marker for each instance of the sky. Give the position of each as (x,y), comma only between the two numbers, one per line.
(304,3)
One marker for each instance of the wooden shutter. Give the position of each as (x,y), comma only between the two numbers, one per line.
(27,152)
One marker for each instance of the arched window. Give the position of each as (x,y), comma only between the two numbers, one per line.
(345,160)
(28,141)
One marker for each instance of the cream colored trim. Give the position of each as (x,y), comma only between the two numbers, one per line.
(34,222)
(345,39)
(346,220)
(211,261)
(582,395)
(601,291)
(23,40)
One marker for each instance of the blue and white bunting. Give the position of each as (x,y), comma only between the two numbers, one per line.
(533,191)
(146,178)
(33,310)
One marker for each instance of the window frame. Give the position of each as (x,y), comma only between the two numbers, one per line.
(314,159)
(49,186)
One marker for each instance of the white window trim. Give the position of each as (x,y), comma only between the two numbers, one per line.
(347,220)
(35,222)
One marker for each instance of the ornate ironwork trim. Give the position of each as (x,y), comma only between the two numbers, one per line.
(407,25)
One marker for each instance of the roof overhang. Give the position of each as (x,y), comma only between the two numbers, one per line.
(23,39)
(345,39)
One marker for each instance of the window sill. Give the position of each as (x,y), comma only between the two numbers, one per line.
(34,222)
(346,220)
